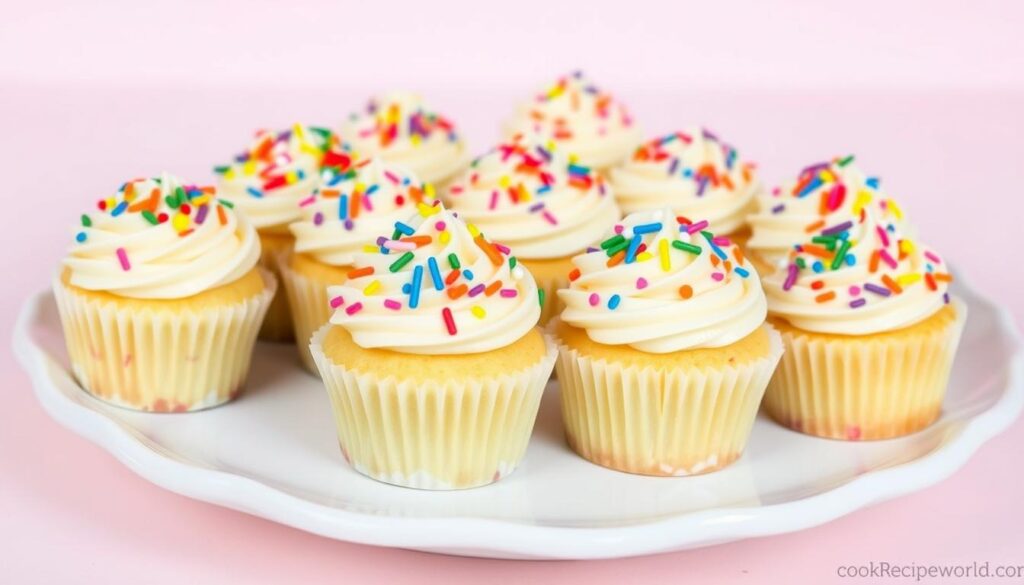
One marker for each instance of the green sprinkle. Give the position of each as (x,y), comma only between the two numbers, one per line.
(171,201)
(800,263)
(845,160)
(396,234)
(512,262)
(841,255)
(221,169)
(617,247)
(613,241)
(828,241)
(540,296)
(402,261)
(180,194)
(687,247)
(148,216)
(86,221)
(453,261)
(226,203)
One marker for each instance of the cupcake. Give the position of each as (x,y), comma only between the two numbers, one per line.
(663,349)
(432,358)
(161,297)
(266,182)
(581,120)
(358,200)
(400,129)
(694,174)
(823,195)
(545,209)
(869,328)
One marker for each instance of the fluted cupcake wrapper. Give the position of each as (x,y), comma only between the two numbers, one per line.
(308,301)
(161,360)
(661,422)
(277,325)
(863,389)
(433,435)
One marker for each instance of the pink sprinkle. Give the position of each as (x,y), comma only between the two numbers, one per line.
(509,293)
(354,308)
(400,246)
(494,200)
(439,226)
(854,291)
(641,283)
(455,190)
(697,226)
(307,201)
(551,219)
(392,304)
(502,248)
(721,241)
(929,255)
(882,236)
(618,229)
(337,302)
(717,276)
(594,299)
(392,177)
(367,202)
(122,257)
(884,255)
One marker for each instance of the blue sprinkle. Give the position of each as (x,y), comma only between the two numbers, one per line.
(613,302)
(742,272)
(405,229)
(818,266)
(343,207)
(417,284)
(634,244)
(850,259)
(687,173)
(872,182)
(435,274)
(373,189)
(119,209)
(80,237)
(647,228)
(809,187)
(467,274)
(406,288)
(543,189)
(254,192)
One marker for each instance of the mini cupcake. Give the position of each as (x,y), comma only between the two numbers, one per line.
(869,328)
(581,120)
(544,208)
(400,129)
(432,359)
(266,182)
(824,194)
(357,200)
(695,175)
(664,353)
(161,298)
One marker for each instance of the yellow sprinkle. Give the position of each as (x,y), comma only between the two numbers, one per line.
(550,145)
(863,198)
(372,288)
(429,191)
(310,150)
(504,182)
(473,230)
(666,260)
(360,187)
(478,311)
(299,131)
(249,168)
(230,173)
(427,210)
(416,139)
(524,195)
(896,210)
(291,177)
(644,256)
(444,237)
(573,159)
(908,279)
(180,222)
(201,200)
(906,246)
(371,249)
(111,203)
(826,176)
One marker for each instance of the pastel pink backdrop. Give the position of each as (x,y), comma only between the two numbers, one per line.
(929,95)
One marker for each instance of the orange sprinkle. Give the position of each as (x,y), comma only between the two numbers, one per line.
(452,276)
(574,274)
(816,250)
(686,291)
(416,194)
(492,288)
(715,261)
(490,250)
(811,228)
(930,281)
(329,193)
(418,240)
(457,291)
(728,265)
(357,272)
(737,253)
(353,205)
(943,277)
(825,297)
(221,215)
(873,262)
(892,284)
(617,258)
(148,204)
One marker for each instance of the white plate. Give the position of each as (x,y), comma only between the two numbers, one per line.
(273,453)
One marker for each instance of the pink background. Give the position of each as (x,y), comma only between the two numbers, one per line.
(929,95)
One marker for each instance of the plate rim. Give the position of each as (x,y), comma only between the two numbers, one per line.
(509,540)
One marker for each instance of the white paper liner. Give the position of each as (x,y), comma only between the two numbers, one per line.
(863,389)
(308,301)
(277,325)
(161,360)
(433,435)
(654,421)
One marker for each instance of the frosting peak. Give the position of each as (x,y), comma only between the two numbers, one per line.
(662,284)
(582,119)
(692,172)
(161,239)
(529,196)
(436,286)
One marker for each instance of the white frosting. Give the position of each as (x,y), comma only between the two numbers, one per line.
(356,202)
(529,197)
(723,302)
(581,119)
(694,174)
(857,294)
(180,255)
(399,128)
(267,181)
(493,309)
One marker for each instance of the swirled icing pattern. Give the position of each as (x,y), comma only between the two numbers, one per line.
(436,286)
(859,277)
(268,179)
(399,128)
(583,120)
(161,239)
(531,198)
(824,194)
(357,200)
(662,284)
(691,172)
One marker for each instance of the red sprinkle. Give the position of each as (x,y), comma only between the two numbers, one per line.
(449,321)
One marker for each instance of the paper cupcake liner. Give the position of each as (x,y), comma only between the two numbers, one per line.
(310,310)
(161,360)
(661,422)
(863,389)
(277,325)
(433,435)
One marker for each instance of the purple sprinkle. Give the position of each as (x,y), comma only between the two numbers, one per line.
(779,208)
(476,290)
(536,207)
(945,298)
(381,240)
(878,290)
(837,229)
(349,225)
(857,303)
(672,167)
(318,218)
(201,214)
(790,277)
(814,168)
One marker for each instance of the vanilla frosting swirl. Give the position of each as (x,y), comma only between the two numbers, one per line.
(529,197)
(825,193)
(160,239)
(859,277)
(691,172)
(357,201)
(268,179)
(436,286)
(659,285)
(399,128)
(581,119)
